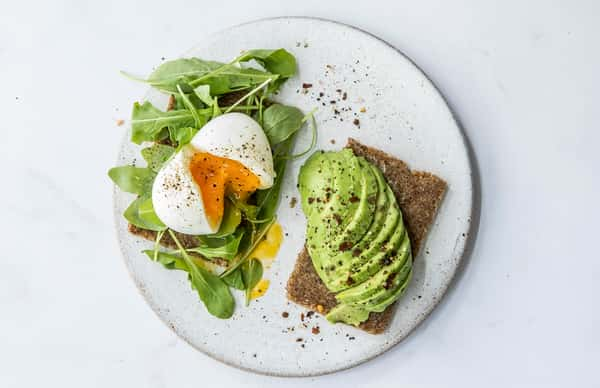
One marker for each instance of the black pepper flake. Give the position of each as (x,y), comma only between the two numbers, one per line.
(298,339)
(389,281)
(354,199)
(356,122)
(356,252)
(285,314)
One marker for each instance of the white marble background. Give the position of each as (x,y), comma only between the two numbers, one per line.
(523,78)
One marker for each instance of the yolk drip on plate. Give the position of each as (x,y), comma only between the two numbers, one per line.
(260,289)
(266,252)
(218,177)
(268,248)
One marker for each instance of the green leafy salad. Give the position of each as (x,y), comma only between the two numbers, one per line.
(215,161)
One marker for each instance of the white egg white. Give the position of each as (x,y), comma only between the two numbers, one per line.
(176,197)
(238,137)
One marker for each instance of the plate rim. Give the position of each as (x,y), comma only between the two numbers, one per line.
(466,243)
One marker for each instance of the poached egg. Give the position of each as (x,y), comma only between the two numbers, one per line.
(229,155)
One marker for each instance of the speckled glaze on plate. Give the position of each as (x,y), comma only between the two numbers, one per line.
(399,111)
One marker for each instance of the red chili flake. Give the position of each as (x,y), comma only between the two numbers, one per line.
(316,330)
(345,246)
(337,218)
(354,199)
(306,85)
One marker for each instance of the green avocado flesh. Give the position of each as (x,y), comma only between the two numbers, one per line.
(355,234)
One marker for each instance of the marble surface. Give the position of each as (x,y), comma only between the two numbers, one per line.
(523,80)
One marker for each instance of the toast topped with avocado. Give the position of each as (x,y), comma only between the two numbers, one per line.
(367,216)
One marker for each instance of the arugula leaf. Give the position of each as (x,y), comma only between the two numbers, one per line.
(203,93)
(232,78)
(188,104)
(190,73)
(223,247)
(141,214)
(136,180)
(250,211)
(280,122)
(181,71)
(252,271)
(182,136)
(168,260)
(156,155)
(172,261)
(267,200)
(235,280)
(147,122)
(277,61)
(232,216)
(250,243)
(211,288)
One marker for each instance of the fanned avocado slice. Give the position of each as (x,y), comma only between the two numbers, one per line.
(347,314)
(376,284)
(333,208)
(383,224)
(356,314)
(381,253)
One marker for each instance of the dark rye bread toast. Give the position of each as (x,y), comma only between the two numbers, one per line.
(419,195)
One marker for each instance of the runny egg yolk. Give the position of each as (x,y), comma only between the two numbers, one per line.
(218,177)
(268,248)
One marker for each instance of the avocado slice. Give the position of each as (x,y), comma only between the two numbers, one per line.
(349,314)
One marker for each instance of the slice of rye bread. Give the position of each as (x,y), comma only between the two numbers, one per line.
(419,195)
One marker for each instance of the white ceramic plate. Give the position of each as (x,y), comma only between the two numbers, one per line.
(405,116)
